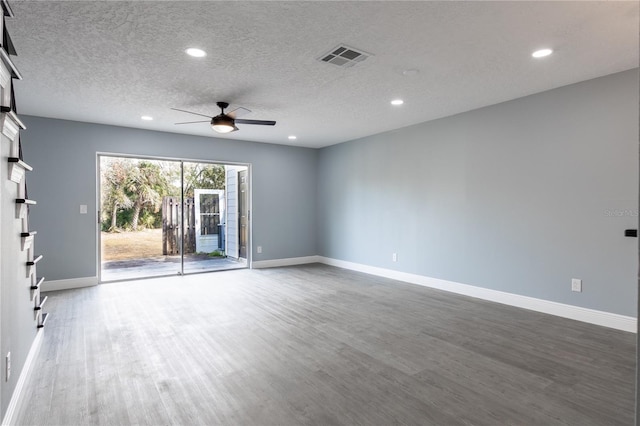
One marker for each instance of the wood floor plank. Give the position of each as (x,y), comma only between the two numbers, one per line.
(317,345)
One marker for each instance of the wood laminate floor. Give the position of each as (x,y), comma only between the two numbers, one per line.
(318,345)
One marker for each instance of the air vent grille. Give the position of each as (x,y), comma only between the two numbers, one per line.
(344,56)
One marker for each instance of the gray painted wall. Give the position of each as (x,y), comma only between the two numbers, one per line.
(63,154)
(518,197)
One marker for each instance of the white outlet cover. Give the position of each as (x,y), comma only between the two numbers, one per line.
(83,209)
(8,366)
(259,250)
(576,285)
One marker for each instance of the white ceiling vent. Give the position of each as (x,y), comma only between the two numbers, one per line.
(344,56)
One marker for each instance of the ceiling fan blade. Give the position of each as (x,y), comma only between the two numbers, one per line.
(260,122)
(191,122)
(191,112)
(238,112)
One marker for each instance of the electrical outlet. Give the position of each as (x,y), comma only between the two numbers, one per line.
(576,285)
(394,257)
(83,209)
(7,366)
(259,249)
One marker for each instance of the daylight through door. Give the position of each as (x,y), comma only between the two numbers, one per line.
(170,217)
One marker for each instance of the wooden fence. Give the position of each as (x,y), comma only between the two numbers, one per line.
(171,234)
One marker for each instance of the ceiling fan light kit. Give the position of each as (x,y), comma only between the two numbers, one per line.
(226,123)
(223,124)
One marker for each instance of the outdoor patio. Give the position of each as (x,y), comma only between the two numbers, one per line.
(132,255)
(117,270)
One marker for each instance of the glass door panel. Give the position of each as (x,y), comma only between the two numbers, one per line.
(141,213)
(212,190)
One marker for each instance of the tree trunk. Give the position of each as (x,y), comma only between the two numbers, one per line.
(136,214)
(114,215)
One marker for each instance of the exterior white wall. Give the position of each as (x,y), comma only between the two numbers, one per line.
(231,229)
(232,234)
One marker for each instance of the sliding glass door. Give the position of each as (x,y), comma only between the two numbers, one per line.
(168,217)
(212,191)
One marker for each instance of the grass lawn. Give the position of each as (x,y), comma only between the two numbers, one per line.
(131,245)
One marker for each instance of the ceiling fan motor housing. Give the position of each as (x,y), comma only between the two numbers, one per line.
(223,124)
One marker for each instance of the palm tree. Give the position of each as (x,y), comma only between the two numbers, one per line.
(146,184)
(115,176)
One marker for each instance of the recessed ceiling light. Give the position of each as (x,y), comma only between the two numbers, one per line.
(146,118)
(410,72)
(195,52)
(397,102)
(542,53)
(293,138)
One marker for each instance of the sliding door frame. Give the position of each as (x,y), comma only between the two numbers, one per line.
(98,222)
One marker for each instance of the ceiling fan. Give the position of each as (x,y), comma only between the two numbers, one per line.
(226,123)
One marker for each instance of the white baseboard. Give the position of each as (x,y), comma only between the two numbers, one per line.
(69,283)
(606,319)
(18,398)
(258,264)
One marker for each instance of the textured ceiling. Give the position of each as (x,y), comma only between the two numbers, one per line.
(111,62)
